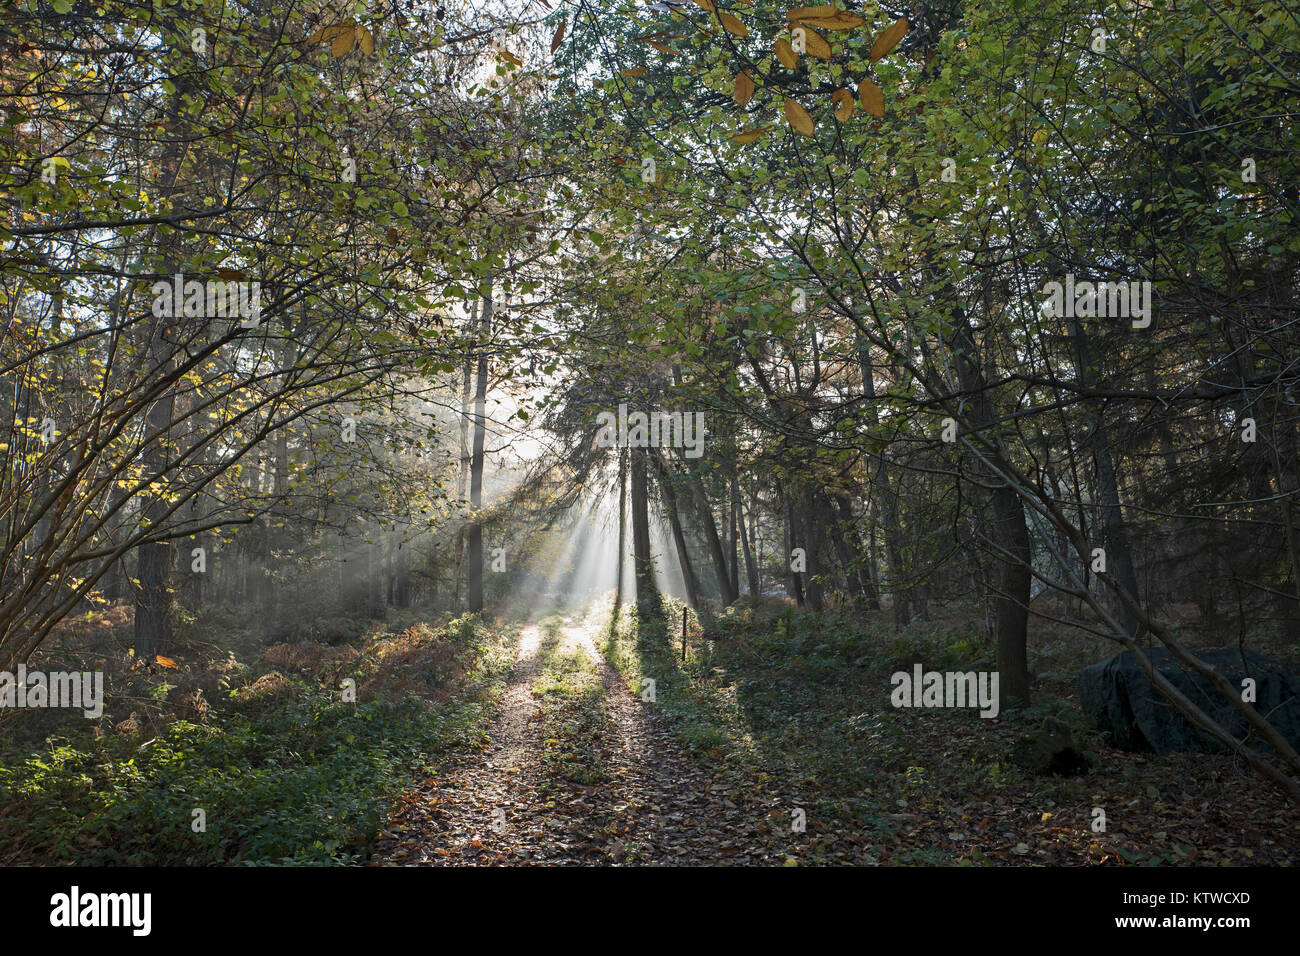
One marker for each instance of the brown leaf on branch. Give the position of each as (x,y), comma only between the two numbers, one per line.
(733,25)
(744,90)
(798,117)
(873,98)
(343,42)
(843,101)
(326,34)
(785,53)
(815,44)
(803,13)
(841,21)
(835,20)
(888,40)
(559,36)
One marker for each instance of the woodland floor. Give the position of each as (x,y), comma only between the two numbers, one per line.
(624,791)
(745,737)
(770,741)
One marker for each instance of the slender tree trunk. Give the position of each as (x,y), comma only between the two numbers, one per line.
(705,513)
(734,535)
(792,541)
(622,525)
(1010,530)
(1119,556)
(751,566)
(1012,533)
(647,597)
(860,572)
(675,523)
(474,539)
(813,535)
(462,482)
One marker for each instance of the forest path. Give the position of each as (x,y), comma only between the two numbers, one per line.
(578,771)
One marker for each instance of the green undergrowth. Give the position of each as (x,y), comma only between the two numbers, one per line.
(803,701)
(282,768)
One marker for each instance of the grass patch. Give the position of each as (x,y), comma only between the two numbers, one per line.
(575,721)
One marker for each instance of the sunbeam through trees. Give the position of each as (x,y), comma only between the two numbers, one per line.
(651,433)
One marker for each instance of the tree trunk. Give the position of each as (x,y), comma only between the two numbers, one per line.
(705,513)
(622,526)
(792,538)
(1012,533)
(734,579)
(675,523)
(474,539)
(751,566)
(814,583)
(1119,556)
(647,597)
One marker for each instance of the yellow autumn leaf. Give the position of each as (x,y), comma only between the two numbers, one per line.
(744,90)
(367,42)
(559,36)
(785,53)
(706,4)
(888,40)
(798,117)
(343,42)
(635,71)
(873,98)
(843,101)
(733,25)
(661,47)
(165,662)
(749,136)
